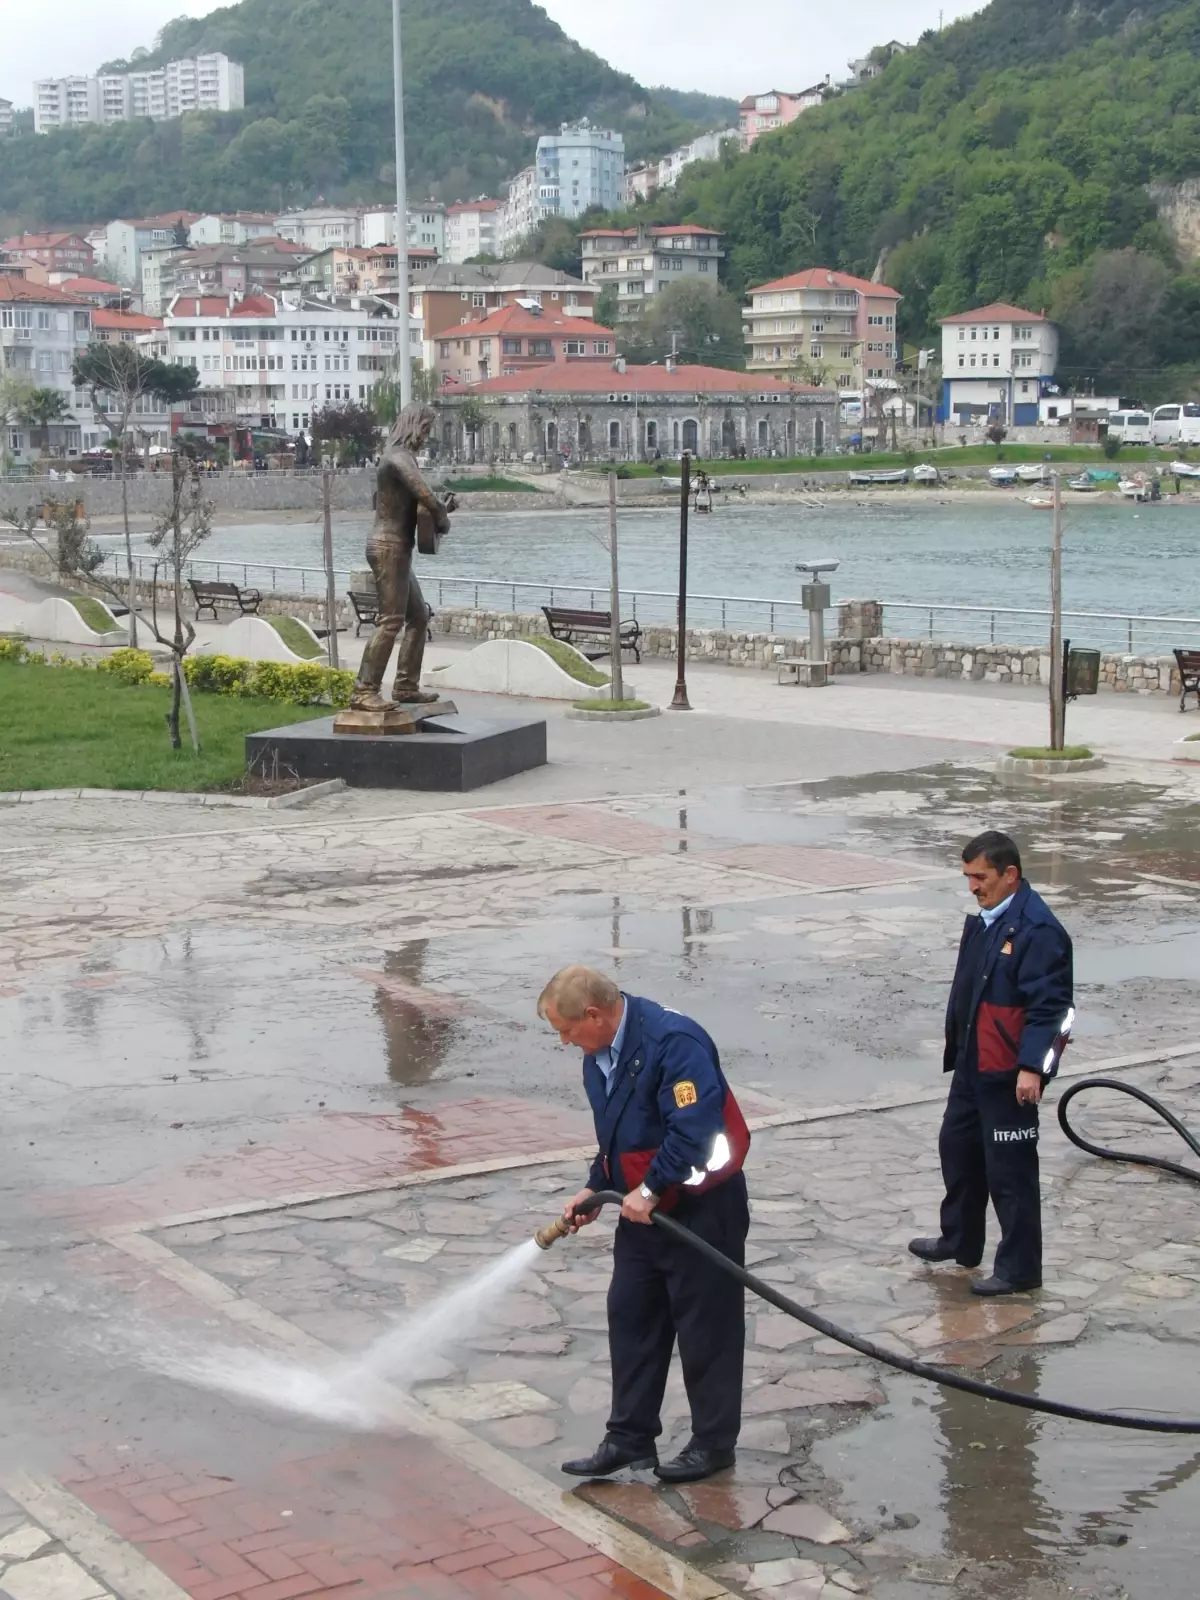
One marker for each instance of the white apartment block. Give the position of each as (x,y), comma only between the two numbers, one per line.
(272,361)
(6,117)
(126,240)
(471,228)
(997,362)
(526,203)
(320,227)
(41,331)
(426,227)
(238,228)
(648,177)
(208,82)
(641,262)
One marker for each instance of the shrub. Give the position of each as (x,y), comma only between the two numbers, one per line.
(14,650)
(1111,446)
(127,666)
(300,684)
(218,674)
(159,680)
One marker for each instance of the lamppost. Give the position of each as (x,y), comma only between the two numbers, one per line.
(401,212)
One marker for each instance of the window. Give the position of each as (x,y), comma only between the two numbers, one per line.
(962,361)
(846,352)
(995,333)
(601,347)
(816,351)
(541,347)
(962,334)
(478,300)
(1023,358)
(818,327)
(614,435)
(703,266)
(972,360)
(45,362)
(444,349)
(510,347)
(575,347)
(995,361)
(983,335)
(43,321)
(974,334)
(652,436)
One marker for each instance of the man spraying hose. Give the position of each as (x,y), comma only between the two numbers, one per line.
(669,1136)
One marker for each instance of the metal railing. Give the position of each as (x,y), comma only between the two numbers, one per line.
(1115,631)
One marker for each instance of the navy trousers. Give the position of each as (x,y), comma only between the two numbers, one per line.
(662,1291)
(989,1150)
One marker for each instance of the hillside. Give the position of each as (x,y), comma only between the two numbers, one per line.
(1006,158)
(482,78)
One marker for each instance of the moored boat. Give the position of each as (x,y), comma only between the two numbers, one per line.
(1002,475)
(866,480)
(926,472)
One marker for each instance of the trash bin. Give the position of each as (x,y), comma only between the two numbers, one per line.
(1083,671)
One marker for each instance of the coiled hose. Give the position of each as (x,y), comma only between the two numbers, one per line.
(922,1369)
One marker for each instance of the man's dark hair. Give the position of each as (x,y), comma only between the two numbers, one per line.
(997,849)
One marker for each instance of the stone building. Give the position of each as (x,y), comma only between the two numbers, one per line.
(588,411)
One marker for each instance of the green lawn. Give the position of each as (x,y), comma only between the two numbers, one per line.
(490,486)
(566,657)
(61,728)
(975,455)
(297,638)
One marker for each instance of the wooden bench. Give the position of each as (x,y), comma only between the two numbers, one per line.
(209,596)
(1189,675)
(366,609)
(594,627)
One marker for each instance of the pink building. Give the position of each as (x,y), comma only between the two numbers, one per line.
(760,113)
(517,337)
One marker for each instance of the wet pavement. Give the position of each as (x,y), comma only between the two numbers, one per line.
(213,1015)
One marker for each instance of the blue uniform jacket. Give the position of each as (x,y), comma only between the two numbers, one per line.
(668,1095)
(1020,1007)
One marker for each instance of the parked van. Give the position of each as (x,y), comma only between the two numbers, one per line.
(1130,427)
(1176,424)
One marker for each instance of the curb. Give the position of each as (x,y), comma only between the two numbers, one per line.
(575,715)
(171,797)
(1047,769)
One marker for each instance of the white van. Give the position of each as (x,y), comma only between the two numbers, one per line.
(1176,424)
(1130,427)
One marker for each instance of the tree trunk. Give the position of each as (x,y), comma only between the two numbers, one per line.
(133,638)
(173,714)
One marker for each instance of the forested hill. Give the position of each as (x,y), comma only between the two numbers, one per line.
(482,78)
(998,160)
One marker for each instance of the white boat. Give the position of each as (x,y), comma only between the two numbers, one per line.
(1039,502)
(1135,488)
(1186,469)
(1034,472)
(1002,475)
(1083,484)
(926,473)
(868,479)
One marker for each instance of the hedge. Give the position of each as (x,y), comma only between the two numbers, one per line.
(304,684)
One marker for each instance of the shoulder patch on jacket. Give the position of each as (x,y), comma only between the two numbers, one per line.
(685,1093)
(1006,948)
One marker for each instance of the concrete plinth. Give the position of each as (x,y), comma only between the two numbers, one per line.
(450,753)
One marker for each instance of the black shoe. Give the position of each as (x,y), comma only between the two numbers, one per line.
(609,1456)
(693,1463)
(937,1250)
(994,1285)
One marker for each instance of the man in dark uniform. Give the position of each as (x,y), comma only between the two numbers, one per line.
(1007,1024)
(669,1136)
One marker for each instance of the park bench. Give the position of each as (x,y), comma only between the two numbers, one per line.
(366,609)
(210,595)
(1189,675)
(592,627)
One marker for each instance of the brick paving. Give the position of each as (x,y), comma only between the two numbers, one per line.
(384,1517)
(591,825)
(799,864)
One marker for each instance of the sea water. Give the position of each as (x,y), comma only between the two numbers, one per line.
(353,1391)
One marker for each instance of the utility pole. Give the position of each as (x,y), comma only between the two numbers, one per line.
(1058,705)
(680,700)
(331,638)
(614,643)
(401,213)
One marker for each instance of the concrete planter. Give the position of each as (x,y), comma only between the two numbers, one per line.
(1189,751)
(614,716)
(1047,769)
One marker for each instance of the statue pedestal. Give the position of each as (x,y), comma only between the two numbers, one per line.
(445,752)
(396,719)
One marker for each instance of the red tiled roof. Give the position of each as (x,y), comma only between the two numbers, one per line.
(472,205)
(998,312)
(592,378)
(81,284)
(609,233)
(208,305)
(684,227)
(827,278)
(254,305)
(514,319)
(41,241)
(42,294)
(134,321)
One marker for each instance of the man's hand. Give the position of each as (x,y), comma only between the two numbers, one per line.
(1029,1088)
(636,1207)
(582,1220)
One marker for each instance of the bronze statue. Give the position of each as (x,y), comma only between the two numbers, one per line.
(403,498)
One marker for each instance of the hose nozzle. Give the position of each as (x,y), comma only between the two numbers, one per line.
(558,1229)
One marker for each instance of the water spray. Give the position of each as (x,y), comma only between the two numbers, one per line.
(561,1226)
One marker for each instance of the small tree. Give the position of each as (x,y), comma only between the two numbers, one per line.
(39,408)
(997,433)
(185,524)
(349,430)
(14,393)
(472,417)
(122,374)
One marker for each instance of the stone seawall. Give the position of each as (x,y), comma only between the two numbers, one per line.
(857,648)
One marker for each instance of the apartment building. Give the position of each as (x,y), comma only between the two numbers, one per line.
(831,326)
(41,331)
(321,227)
(267,265)
(471,229)
(236,227)
(57,252)
(526,203)
(643,261)
(363,270)
(271,361)
(762,113)
(122,327)
(997,363)
(6,117)
(648,177)
(452,296)
(125,239)
(210,82)
(581,166)
(517,336)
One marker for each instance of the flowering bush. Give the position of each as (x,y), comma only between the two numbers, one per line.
(127,666)
(304,684)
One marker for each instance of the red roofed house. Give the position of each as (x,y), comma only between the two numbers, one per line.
(641,262)
(997,362)
(589,410)
(122,327)
(41,331)
(66,252)
(828,326)
(760,113)
(516,337)
(94,290)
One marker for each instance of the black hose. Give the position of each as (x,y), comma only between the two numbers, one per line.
(1119,1155)
(919,1369)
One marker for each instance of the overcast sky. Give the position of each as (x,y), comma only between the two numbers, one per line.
(691,44)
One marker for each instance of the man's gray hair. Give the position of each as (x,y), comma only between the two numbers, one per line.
(573,989)
(412,427)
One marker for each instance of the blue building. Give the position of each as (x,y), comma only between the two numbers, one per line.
(997,362)
(584,166)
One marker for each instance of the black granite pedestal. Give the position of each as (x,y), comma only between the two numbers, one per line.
(450,753)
